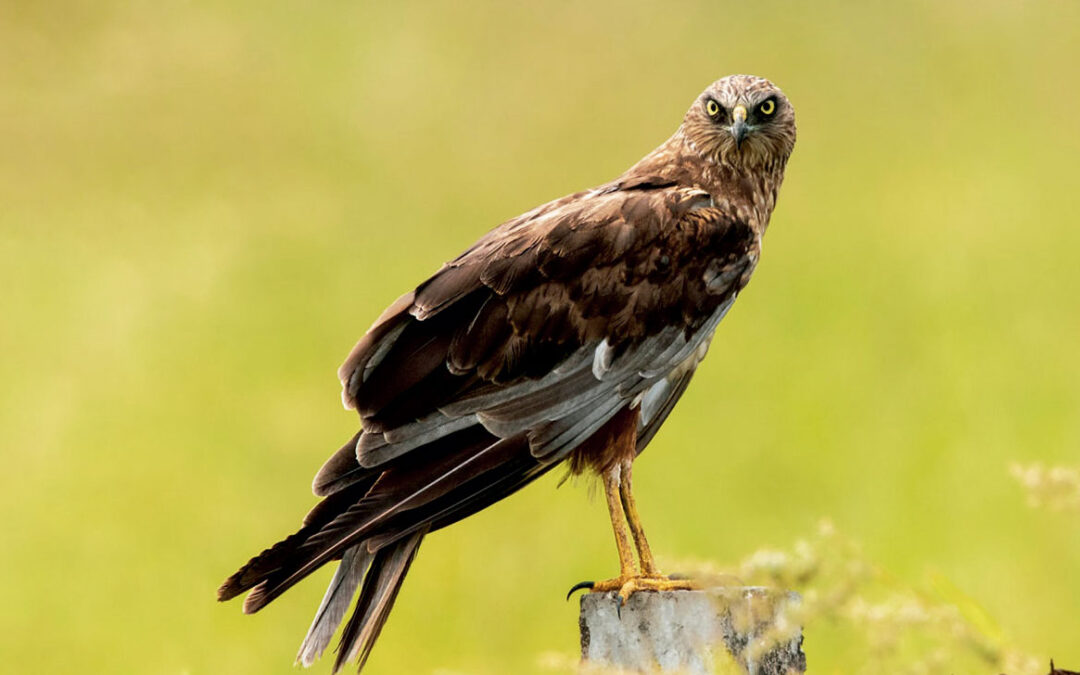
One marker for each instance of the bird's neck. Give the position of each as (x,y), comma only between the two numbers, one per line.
(747,192)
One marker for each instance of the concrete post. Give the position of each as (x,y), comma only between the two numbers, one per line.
(742,629)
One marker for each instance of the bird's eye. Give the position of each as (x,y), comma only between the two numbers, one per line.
(768,107)
(712,108)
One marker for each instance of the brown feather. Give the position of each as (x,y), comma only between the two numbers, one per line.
(351,372)
(477,340)
(338,471)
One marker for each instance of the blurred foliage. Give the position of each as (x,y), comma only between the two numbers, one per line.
(202,205)
(1056,487)
(890,625)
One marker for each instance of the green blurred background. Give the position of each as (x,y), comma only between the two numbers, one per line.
(203,205)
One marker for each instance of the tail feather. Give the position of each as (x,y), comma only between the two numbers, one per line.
(381,586)
(374,525)
(337,599)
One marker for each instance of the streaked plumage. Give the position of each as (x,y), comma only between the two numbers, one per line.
(538,344)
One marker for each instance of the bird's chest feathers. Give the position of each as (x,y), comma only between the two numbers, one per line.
(749,196)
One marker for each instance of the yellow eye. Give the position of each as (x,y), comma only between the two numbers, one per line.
(712,107)
(768,107)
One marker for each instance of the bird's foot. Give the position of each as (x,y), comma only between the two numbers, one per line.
(628,585)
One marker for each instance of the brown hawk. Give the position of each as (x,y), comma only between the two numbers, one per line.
(565,335)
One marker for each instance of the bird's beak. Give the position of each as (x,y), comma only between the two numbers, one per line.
(739,127)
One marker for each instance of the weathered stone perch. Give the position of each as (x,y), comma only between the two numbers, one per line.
(746,629)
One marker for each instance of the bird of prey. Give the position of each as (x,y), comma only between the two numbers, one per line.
(562,337)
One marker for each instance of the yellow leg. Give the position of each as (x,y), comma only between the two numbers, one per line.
(611,451)
(626,495)
(626,522)
(618,523)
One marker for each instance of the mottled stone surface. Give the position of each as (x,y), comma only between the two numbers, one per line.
(745,629)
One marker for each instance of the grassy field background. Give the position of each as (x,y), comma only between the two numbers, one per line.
(203,205)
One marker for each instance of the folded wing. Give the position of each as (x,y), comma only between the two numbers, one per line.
(497,367)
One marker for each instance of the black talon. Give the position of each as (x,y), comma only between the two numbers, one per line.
(618,606)
(579,586)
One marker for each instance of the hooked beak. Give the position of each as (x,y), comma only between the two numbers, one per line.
(739,128)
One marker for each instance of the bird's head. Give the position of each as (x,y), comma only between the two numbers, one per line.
(743,121)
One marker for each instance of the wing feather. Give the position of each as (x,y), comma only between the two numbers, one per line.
(552,441)
(499,336)
(666,398)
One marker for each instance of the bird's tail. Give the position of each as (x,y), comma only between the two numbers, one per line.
(382,574)
(381,585)
(373,521)
(354,563)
